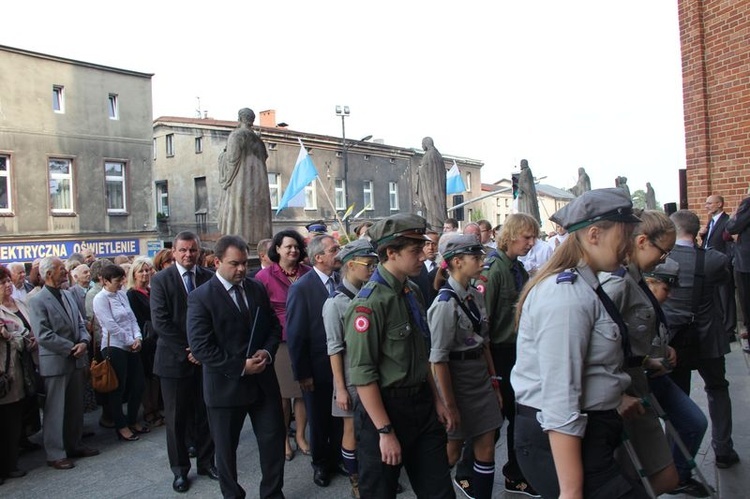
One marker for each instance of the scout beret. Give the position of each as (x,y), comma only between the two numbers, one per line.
(460,244)
(666,272)
(358,247)
(399,225)
(318,227)
(596,205)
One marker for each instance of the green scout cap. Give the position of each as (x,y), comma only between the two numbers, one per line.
(666,272)
(400,225)
(460,244)
(596,205)
(359,247)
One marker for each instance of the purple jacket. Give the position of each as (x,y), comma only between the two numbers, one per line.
(277,285)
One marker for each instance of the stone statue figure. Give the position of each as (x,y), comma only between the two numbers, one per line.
(527,198)
(650,197)
(245,204)
(583,184)
(431,185)
(622,183)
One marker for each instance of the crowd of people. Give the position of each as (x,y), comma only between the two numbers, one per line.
(403,348)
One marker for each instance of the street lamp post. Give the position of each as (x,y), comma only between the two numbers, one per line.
(343,111)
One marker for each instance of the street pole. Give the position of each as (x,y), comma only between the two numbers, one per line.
(343,111)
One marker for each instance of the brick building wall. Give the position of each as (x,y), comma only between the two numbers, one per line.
(716,94)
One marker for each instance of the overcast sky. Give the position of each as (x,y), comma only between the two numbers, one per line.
(563,84)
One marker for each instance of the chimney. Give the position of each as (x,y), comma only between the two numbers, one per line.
(268,118)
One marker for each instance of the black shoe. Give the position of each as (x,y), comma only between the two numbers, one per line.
(339,470)
(321,478)
(181,484)
(399,488)
(211,472)
(691,487)
(14,474)
(520,487)
(192,451)
(724,462)
(464,485)
(28,445)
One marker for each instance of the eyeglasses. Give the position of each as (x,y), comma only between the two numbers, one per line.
(370,266)
(664,253)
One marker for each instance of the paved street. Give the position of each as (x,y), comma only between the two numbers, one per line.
(140,469)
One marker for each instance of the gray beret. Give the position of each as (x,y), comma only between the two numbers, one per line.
(460,244)
(666,272)
(358,247)
(596,205)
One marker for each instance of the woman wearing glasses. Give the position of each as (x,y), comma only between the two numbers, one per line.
(652,359)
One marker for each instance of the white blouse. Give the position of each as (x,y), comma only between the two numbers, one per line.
(117,320)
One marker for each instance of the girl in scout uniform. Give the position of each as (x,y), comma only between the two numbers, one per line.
(461,360)
(568,377)
(653,239)
(359,261)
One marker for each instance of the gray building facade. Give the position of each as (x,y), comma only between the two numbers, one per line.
(75,157)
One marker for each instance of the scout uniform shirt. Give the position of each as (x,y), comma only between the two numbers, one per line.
(385,342)
(500,283)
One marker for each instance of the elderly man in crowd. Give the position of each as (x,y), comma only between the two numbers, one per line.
(18,277)
(63,342)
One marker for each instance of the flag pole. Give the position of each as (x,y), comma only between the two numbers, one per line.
(335,213)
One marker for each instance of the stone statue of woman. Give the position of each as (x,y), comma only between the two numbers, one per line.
(650,197)
(583,184)
(527,198)
(431,185)
(245,204)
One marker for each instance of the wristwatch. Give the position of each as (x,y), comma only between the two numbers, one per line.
(386,429)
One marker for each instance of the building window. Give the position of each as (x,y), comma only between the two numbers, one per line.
(61,185)
(274,186)
(339,194)
(201,195)
(310,198)
(198,145)
(468,181)
(154,148)
(393,195)
(114,180)
(162,199)
(170,145)
(367,195)
(58,99)
(114,112)
(5,201)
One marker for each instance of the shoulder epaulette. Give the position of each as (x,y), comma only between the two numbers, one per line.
(365,292)
(445,295)
(567,276)
(620,272)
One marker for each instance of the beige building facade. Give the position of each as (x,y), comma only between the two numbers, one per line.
(75,157)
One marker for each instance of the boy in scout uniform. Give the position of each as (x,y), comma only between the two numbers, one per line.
(398,416)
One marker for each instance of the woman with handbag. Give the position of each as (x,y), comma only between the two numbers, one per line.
(16,342)
(139,292)
(121,344)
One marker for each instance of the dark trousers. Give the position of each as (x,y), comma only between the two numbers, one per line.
(183,397)
(713,372)
(602,478)
(325,429)
(129,371)
(742,280)
(268,426)
(728,304)
(11,428)
(504,358)
(423,442)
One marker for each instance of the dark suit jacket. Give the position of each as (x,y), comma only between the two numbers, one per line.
(219,336)
(169,319)
(305,333)
(425,281)
(714,342)
(740,224)
(719,237)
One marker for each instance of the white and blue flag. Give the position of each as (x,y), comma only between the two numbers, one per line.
(454,183)
(304,173)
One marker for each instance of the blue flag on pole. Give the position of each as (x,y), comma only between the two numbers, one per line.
(304,173)
(454,184)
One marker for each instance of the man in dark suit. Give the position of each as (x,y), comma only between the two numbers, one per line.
(695,324)
(234,334)
(426,277)
(63,342)
(177,368)
(739,225)
(715,236)
(306,337)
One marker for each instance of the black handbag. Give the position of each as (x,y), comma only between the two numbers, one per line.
(6,382)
